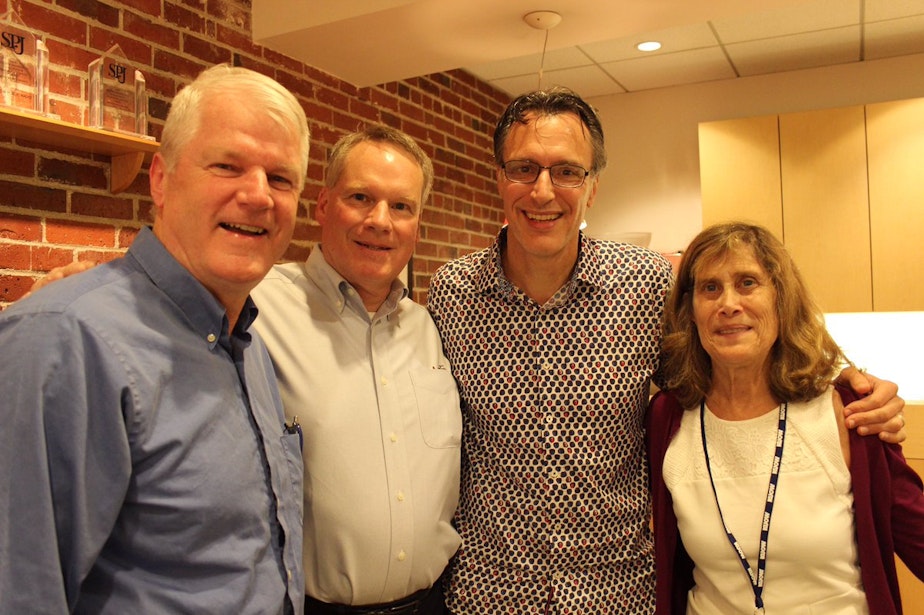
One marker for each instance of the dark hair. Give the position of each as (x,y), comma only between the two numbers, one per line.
(804,358)
(554,101)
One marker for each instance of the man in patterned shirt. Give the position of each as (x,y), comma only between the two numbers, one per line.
(554,338)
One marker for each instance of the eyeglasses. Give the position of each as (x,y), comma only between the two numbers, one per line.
(562,175)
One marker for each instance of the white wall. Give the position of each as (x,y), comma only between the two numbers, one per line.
(651,182)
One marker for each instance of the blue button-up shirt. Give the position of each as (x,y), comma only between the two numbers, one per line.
(144,462)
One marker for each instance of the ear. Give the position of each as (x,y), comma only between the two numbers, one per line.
(320,208)
(157,176)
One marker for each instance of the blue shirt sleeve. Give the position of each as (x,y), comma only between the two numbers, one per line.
(64,459)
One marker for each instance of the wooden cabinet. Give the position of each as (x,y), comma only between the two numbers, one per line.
(740,172)
(825,205)
(895,138)
(843,188)
(126,152)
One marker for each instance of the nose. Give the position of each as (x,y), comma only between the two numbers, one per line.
(255,189)
(729,301)
(379,216)
(543,188)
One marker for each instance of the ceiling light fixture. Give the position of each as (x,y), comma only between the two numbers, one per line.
(542,20)
(648,46)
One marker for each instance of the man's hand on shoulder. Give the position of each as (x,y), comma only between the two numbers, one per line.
(878,411)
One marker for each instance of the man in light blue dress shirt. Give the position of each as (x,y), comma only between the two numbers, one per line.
(146,464)
(362,367)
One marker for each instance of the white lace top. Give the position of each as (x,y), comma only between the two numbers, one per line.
(812,557)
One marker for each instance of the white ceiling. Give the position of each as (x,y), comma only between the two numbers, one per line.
(592,50)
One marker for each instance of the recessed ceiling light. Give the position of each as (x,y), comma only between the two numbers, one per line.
(648,46)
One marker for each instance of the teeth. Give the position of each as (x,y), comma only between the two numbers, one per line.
(541,217)
(243,228)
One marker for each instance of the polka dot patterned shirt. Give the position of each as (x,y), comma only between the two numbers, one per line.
(554,511)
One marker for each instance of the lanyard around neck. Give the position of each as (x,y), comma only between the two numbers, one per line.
(757,580)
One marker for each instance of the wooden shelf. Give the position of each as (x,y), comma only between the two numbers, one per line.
(126,152)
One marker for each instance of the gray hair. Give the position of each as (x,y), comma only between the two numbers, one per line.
(224,80)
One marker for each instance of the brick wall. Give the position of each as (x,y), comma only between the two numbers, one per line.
(55,206)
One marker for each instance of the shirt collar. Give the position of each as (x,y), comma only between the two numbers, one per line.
(491,279)
(205,313)
(342,294)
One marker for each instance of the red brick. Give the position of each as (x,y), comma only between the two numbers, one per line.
(137,52)
(335,99)
(72,173)
(205,50)
(17,162)
(102,206)
(239,41)
(53,23)
(184,18)
(21,228)
(32,197)
(147,30)
(176,65)
(364,110)
(96,11)
(232,13)
(77,234)
(13,287)
(46,258)
(151,7)
(126,237)
(15,256)
(99,256)
(65,54)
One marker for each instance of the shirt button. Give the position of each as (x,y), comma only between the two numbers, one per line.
(384,382)
(549,419)
(211,338)
(554,474)
(393,437)
(400,496)
(402,556)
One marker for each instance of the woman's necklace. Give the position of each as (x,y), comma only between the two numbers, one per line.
(757,580)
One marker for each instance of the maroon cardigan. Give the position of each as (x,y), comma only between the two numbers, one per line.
(888,509)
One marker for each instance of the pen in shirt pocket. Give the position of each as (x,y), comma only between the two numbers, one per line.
(295,428)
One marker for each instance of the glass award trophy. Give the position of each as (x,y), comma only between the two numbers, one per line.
(24,66)
(118,99)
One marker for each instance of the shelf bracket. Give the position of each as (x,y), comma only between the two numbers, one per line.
(123,170)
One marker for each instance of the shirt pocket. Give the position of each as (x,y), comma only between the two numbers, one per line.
(438,407)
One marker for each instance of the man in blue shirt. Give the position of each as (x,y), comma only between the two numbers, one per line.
(146,464)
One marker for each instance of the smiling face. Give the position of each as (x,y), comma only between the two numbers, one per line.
(370,218)
(734,310)
(226,210)
(544,219)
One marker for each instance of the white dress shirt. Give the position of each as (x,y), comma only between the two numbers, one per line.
(380,414)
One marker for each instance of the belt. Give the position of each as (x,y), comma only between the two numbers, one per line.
(412,605)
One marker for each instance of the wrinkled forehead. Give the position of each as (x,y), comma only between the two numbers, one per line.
(736,257)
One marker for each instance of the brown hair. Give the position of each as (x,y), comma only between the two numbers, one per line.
(804,358)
